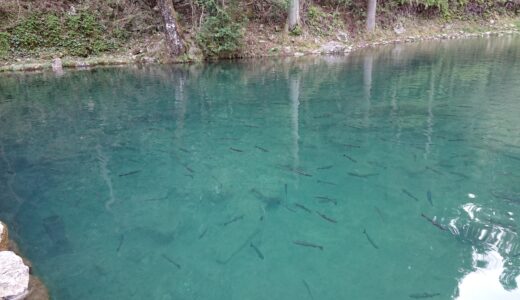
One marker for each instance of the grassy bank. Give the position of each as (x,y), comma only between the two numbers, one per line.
(90,33)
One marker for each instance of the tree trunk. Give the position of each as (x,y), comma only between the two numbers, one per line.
(294,14)
(173,40)
(371,15)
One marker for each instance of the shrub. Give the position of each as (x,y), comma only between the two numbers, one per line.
(4,44)
(220,36)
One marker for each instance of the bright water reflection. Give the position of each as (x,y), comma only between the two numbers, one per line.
(389,174)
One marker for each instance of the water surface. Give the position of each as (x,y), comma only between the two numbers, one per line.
(388,174)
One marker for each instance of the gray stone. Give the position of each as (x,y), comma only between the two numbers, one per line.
(4,237)
(399,29)
(57,65)
(332,47)
(14,276)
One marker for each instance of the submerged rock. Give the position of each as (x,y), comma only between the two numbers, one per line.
(14,276)
(4,237)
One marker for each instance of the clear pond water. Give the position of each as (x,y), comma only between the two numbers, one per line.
(385,174)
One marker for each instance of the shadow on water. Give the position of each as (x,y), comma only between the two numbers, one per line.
(391,172)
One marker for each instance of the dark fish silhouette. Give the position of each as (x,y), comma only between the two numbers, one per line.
(326,218)
(171,261)
(188,168)
(301,206)
(203,233)
(350,158)
(260,255)
(242,246)
(362,175)
(325,167)
(429,197)
(434,223)
(434,170)
(407,193)
(129,173)
(325,199)
(235,149)
(295,170)
(121,240)
(184,150)
(326,182)
(424,295)
(261,149)
(270,202)
(351,146)
(307,244)
(308,288)
(370,239)
(379,213)
(233,220)
(459,174)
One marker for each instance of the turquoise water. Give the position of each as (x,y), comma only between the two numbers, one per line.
(388,174)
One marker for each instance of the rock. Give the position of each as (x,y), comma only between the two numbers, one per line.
(399,29)
(342,36)
(4,237)
(297,54)
(37,290)
(57,65)
(14,276)
(332,47)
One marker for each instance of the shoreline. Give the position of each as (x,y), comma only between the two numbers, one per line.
(289,46)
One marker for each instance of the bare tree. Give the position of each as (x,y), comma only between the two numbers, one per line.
(173,40)
(294,14)
(371,15)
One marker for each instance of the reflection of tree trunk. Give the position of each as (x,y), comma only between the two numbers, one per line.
(429,121)
(294,14)
(173,40)
(368,62)
(371,15)
(294,94)
(180,106)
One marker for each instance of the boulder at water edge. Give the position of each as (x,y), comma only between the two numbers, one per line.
(14,276)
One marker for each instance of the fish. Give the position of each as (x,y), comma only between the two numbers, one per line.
(429,197)
(270,202)
(407,193)
(239,249)
(379,213)
(238,218)
(203,233)
(252,126)
(459,174)
(503,196)
(301,206)
(350,158)
(424,295)
(189,175)
(188,168)
(351,146)
(370,239)
(325,199)
(327,218)
(261,149)
(121,240)
(184,150)
(295,170)
(362,175)
(325,167)
(433,170)
(326,182)
(129,173)
(307,287)
(307,244)
(235,149)
(434,223)
(171,261)
(260,255)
